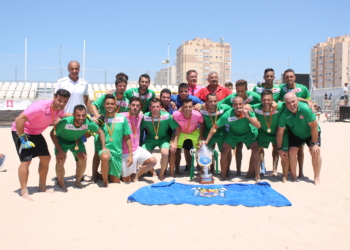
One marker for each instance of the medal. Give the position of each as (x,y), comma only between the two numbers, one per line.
(111,139)
(268,123)
(110,131)
(156,137)
(214,130)
(213,123)
(76,147)
(154,127)
(54,132)
(268,130)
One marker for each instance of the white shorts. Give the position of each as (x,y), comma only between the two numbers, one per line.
(140,155)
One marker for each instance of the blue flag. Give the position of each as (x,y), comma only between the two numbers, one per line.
(250,195)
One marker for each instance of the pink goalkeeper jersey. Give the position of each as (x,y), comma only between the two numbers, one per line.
(39,117)
(184,124)
(135,140)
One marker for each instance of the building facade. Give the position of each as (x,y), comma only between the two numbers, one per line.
(204,56)
(330,62)
(161,77)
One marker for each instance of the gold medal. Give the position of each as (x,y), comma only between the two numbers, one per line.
(54,132)
(141,112)
(110,130)
(154,127)
(111,139)
(213,123)
(268,123)
(156,137)
(135,136)
(268,130)
(214,130)
(76,148)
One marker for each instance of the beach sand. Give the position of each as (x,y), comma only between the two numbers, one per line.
(99,218)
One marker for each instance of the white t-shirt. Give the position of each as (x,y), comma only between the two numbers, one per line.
(76,89)
(345,89)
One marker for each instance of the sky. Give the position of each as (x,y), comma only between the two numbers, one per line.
(132,36)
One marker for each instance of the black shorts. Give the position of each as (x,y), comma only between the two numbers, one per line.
(295,141)
(28,154)
(188,145)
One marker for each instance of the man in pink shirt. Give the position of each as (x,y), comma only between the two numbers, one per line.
(191,77)
(27,134)
(141,156)
(187,134)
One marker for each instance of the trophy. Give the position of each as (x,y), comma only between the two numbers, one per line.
(204,156)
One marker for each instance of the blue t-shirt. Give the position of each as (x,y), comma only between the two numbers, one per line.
(178,102)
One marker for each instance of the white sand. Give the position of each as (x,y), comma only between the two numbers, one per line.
(98,218)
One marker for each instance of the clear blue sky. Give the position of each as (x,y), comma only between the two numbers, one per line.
(134,34)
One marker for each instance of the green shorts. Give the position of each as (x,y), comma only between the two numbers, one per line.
(115,163)
(65,145)
(264,141)
(191,136)
(150,145)
(218,140)
(97,143)
(247,139)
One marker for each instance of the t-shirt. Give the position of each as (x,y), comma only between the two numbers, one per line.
(40,117)
(259,113)
(145,99)
(188,125)
(345,89)
(122,105)
(237,126)
(68,132)
(298,123)
(121,128)
(275,90)
(179,103)
(135,140)
(194,91)
(221,93)
(76,89)
(252,98)
(299,90)
(209,119)
(166,122)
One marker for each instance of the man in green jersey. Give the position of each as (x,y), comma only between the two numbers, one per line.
(115,129)
(142,91)
(269,77)
(303,95)
(268,119)
(99,109)
(242,128)
(157,123)
(303,128)
(67,136)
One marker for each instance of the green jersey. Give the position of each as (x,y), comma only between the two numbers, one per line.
(298,123)
(210,118)
(145,99)
(265,119)
(299,90)
(120,129)
(161,125)
(122,104)
(67,132)
(237,126)
(275,90)
(252,98)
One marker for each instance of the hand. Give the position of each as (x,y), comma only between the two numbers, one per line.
(274,106)
(173,148)
(247,107)
(245,112)
(87,134)
(315,149)
(106,150)
(57,120)
(173,105)
(25,143)
(61,156)
(130,160)
(95,120)
(283,155)
(198,106)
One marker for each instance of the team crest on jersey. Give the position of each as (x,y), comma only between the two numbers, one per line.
(123,103)
(260,112)
(71,127)
(232,119)
(209,192)
(295,90)
(301,117)
(149,95)
(248,100)
(162,118)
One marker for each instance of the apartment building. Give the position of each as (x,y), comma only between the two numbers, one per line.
(330,62)
(204,56)
(162,78)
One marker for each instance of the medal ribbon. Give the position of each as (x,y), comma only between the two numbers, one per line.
(216,117)
(110,132)
(268,125)
(118,106)
(188,124)
(154,127)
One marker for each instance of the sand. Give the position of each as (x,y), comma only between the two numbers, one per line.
(99,218)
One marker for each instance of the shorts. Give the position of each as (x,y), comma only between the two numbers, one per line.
(140,155)
(247,139)
(150,145)
(183,137)
(97,143)
(67,145)
(346,97)
(115,163)
(295,141)
(28,154)
(264,141)
(218,140)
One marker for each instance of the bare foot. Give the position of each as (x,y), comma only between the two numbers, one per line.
(249,176)
(93,179)
(161,177)
(257,179)
(50,191)
(105,184)
(301,175)
(284,179)
(274,174)
(294,179)
(63,187)
(317,181)
(27,197)
(238,173)
(78,185)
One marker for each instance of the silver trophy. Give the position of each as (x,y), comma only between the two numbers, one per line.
(204,156)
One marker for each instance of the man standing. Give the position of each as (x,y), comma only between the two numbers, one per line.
(268,119)
(240,123)
(66,135)
(140,155)
(77,87)
(183,94)
(191,77)
(29,141)
(165,101)
(303,129)
(188,133)
(142,91)
(213,87)
(269,77)
(229,85)
(157,124)
(346,94)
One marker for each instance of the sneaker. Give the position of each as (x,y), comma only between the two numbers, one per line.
(2,160)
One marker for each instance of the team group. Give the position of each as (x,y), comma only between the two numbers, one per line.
(128,124)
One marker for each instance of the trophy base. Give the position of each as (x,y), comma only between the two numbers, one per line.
(206,180)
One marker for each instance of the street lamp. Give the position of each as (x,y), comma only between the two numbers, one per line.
(167,62)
